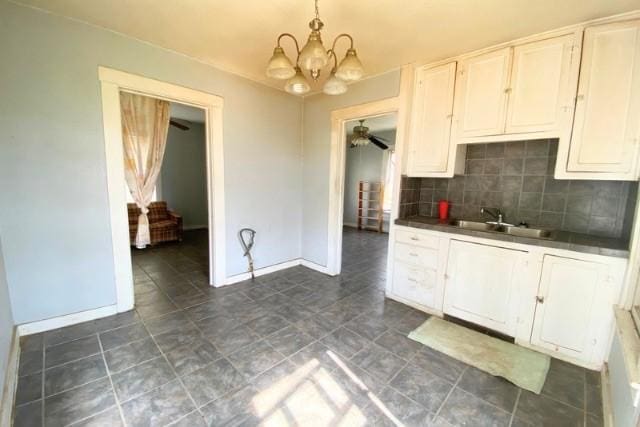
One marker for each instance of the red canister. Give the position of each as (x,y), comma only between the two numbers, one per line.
(443,209)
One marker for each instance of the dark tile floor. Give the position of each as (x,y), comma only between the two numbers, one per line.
(292,348)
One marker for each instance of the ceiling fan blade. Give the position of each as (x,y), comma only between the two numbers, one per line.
(178,125)
(377,142)
(381,138)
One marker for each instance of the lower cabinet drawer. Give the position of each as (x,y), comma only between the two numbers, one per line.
(416,284)
(422,257)
(416,238)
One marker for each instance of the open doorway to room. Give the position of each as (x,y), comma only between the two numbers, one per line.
(173,270)
(369,172)
(201,261)
(384,118)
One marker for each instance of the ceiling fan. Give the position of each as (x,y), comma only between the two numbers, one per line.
(178,125)
(361,137)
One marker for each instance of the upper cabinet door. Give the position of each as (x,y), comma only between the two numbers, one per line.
(539,95)
(431,120)
(481,94)
(607,118)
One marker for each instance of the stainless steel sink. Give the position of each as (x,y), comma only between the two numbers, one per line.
(473,225)
(534,233)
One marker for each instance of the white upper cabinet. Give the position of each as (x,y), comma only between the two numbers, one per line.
(481,94)
(606,126)
(429,143)
(539,96)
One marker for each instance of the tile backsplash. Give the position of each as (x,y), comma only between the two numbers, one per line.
(517,177)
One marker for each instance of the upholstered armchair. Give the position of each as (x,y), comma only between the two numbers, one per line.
(164,224)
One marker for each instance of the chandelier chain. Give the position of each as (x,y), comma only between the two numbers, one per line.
(317,10)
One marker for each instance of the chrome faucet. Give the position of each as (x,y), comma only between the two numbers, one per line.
(495,213)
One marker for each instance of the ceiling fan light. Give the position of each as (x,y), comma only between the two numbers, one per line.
(359,141)
(298,84)
(279,66)
(350,67)
(334,85)
(313,55)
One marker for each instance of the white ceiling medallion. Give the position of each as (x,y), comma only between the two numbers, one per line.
(313,58)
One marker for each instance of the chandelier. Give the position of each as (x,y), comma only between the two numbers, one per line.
(313,58)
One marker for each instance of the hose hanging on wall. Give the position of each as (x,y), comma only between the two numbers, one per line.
(247,244)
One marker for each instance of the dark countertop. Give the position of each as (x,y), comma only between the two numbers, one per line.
(560,239)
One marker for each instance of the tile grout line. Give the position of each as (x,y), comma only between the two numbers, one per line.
(515,407)
(113,388)
(450,393)
(166,359)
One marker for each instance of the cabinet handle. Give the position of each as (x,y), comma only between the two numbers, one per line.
(507,90)
(411,279)
(449,116)
(540,300)
(580,98)
(414,238)
(413,254)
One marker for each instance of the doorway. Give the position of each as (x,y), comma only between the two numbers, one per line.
(369,172)
(112,83)
(342,124)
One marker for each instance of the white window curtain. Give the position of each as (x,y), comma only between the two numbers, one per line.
(389,174)
(145,122)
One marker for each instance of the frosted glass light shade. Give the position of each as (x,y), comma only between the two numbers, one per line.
(359,141)
(334,85)
(350,67)
(280,67)
(313,55)
(298,84)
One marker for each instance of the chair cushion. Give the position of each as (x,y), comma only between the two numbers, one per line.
(167,223)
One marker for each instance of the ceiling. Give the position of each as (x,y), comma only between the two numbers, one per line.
(239,36)
(185,112)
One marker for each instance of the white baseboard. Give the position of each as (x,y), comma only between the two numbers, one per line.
(607,409)
(276,267)
(194,227)
(7,398)
(314,266)
(66,320)
(350,224)
(262,271)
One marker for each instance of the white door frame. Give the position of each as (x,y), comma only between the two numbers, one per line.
(114,81)
(339,118)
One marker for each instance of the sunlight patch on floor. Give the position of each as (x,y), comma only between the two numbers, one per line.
(312,395)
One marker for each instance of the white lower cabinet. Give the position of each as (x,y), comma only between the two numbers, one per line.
(481,284)
(555,301)
(415,284)
(417,271)
(575,298)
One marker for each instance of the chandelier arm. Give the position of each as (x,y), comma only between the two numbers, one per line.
(331,53)
(281,36)
(339,36)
